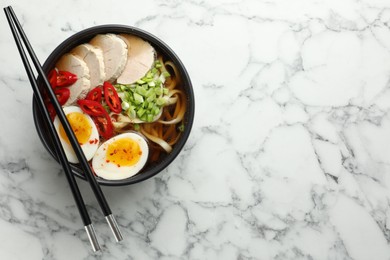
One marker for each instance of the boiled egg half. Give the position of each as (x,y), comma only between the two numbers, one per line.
(84,129)
(121,157)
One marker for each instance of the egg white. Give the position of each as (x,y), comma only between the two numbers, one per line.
(88,148)
(109,170)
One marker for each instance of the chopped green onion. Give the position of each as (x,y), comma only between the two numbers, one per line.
(145,98)
(120,87)
(155,110)
(150,75)
(151,98)
(160,101)
(125,105)
(137,127)
(140,112)
(140,90)
(131,112)
(121,95)
(149,118)
(166,74)
(143,117)
(149,92)
(181,127)
(158,91)
(138,99)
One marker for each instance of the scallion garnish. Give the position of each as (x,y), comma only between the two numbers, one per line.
(145,98)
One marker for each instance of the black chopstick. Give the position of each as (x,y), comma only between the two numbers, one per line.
(75,145)
(57,144)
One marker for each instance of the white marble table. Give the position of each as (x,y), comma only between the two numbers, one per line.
(289,157)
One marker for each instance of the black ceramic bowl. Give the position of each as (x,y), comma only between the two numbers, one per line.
(83,37)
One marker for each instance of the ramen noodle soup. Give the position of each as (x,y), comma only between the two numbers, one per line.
(124,101)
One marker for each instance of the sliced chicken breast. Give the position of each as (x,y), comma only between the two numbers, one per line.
(114,54)
(140,59)
(93,57)
(74,64)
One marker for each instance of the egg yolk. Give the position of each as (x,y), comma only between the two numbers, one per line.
(80,126)
(123,152)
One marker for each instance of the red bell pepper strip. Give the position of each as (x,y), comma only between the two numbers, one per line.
(111,97)
(104,125)
(95,95)
(52,77)
(91,107)
(65,78)
(62,95)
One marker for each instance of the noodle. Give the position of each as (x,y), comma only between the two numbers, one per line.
(179,111)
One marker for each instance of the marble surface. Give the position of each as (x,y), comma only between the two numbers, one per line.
(289,157)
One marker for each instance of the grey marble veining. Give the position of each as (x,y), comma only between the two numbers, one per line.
(289,153)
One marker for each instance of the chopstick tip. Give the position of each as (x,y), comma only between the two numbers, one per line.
(92,237)
(114,227)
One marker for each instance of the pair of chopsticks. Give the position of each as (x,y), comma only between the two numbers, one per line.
(18,33)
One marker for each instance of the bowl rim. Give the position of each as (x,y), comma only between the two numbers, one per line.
(82,37)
